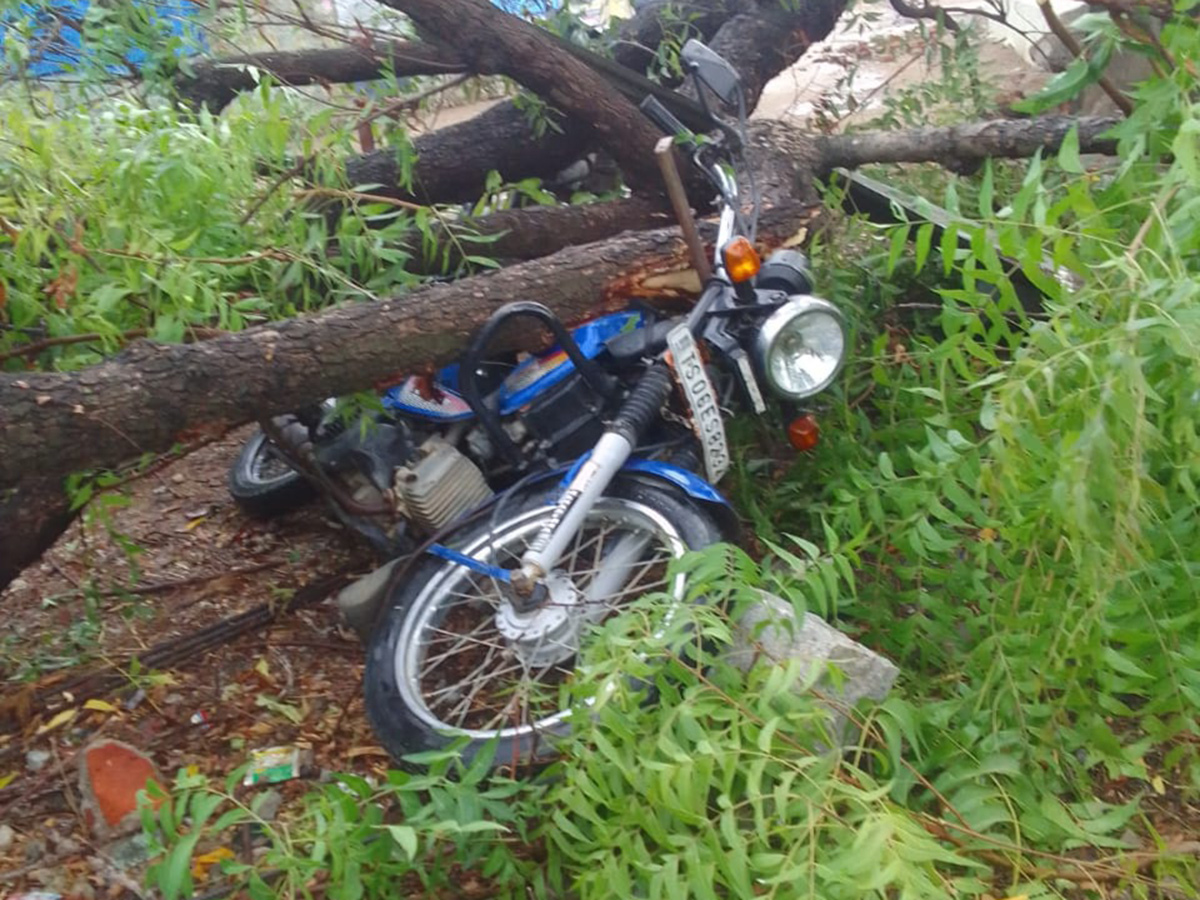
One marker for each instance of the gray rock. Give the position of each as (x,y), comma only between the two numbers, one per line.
(769,632)
(267,805)
(7,836)
(34,850)
(129,852)
(360,600)
(35,760)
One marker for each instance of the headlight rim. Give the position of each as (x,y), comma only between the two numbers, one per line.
(796,306)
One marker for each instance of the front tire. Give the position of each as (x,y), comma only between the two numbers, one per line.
(451,659)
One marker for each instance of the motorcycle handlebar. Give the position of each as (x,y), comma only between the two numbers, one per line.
(663,117)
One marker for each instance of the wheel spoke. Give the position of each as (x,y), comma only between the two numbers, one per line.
(472,675)
(460,641)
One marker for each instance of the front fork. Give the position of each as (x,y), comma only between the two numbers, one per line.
(610,454)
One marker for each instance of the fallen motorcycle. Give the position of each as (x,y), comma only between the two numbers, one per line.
(524,501)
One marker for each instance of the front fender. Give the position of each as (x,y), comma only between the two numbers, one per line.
(694,487)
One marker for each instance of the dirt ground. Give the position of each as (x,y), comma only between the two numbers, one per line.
(294,683)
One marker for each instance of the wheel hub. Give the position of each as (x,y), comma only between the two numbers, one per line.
(548,634)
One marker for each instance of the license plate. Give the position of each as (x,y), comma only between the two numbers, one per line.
(702,400)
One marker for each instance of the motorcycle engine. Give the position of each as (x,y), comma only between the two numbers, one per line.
(438,486)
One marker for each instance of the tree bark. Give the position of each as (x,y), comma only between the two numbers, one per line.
(971,142)
(216,82)
(762,41)
(453,163)
(492,42)
(32,516)
(639,36)
(534,232)
(762,38)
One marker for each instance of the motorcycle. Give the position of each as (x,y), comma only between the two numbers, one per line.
(524,501)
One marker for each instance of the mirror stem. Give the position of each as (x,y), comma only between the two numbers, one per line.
(695,70)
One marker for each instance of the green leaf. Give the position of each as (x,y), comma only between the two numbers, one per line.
(405,837)
(1068,84)
(1124,664)
(924,242)
(175,876)
(986,192)
(1068,152)
(885,466)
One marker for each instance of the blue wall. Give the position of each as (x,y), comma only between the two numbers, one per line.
(165,19)
(57,47)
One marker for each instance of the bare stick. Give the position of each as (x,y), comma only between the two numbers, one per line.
(664,151)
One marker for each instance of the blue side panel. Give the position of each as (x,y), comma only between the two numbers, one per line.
(448,407)
(540,373)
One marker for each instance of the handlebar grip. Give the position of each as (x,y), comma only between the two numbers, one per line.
(663,117)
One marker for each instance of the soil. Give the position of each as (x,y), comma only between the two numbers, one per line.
(294,683)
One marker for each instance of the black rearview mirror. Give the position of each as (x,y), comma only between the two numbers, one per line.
(718,75)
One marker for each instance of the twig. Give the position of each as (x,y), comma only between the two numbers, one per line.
(304,163)
(356,196)
(1155,213)
(925,11)
(99,681)
(194,579)
(276,255)
(1064,34)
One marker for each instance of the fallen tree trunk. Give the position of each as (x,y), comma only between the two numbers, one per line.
(33,513)
(215,82)
(759,37)
(518,234)
(452,164)
(492,42)
(639,36)
(151,395)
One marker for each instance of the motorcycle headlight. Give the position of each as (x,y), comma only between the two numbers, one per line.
(801,347)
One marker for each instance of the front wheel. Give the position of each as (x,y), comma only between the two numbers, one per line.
(452,657)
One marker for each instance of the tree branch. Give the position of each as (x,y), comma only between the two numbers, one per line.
(1060,31)
(1004,138)
(216,82)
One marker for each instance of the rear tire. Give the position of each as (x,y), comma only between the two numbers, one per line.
(450,660)
(262,483)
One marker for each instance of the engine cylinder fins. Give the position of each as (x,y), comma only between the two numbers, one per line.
(439,486)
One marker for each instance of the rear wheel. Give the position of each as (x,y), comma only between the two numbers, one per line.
(262,482)
(453,658)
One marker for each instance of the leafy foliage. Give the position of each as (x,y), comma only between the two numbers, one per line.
(125,219)
(1004,504)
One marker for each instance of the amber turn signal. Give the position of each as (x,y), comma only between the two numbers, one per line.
(741,260)
(804,433)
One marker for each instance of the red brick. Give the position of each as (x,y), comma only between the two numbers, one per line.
(110,776)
